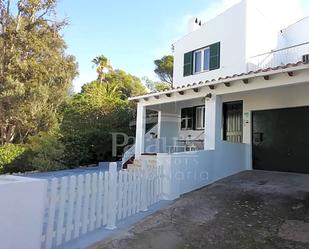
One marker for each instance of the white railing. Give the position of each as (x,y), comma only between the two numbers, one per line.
(128,154)
(131,151)
(278,57)
(77,205)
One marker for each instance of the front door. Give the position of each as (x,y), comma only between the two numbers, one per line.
(232,121)
(280,140)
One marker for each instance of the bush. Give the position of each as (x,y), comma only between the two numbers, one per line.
(87,128)
(46,152)
(9,155)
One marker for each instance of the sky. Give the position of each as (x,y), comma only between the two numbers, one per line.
(132,34)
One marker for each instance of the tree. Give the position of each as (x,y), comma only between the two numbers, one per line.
(164,68)
(100,91)
(91,116)
(35,72)
(122,82)
(103,67)
(154,86)
(128,84)
(88,121)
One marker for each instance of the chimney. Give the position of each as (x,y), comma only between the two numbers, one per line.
(194,24)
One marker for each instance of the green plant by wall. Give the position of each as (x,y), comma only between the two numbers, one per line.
(9,153)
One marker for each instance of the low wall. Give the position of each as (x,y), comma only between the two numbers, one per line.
(185,172)
(22,203)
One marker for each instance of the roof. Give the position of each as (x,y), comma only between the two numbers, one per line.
(227,79)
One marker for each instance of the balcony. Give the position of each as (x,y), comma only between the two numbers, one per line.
(278,57)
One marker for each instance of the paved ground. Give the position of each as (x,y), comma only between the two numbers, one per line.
(251,210)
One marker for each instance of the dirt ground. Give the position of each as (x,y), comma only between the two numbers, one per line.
(251,210)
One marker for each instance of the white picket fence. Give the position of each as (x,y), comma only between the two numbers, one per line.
(77,205)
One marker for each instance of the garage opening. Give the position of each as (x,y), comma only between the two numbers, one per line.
(280,140)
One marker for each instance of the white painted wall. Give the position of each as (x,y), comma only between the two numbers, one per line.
(297,33)
(227,28)
(261,34)
(22,202)
(185,172)
(244,31)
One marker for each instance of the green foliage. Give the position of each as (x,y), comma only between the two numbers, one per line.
(128,84)
(35,72)
(88,121)
(164,68)
(45,152)
(124,83)
(9,153)
(154,86)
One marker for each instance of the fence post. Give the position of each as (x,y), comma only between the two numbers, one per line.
(112,195)
(144,206)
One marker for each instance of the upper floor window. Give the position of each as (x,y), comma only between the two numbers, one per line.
(202,60)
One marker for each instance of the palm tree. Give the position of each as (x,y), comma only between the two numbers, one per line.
(103,67)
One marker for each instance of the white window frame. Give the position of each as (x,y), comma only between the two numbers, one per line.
(201,125)
(202,60)
(186,123)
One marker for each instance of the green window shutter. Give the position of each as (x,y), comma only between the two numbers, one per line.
(214,56)
(188,64)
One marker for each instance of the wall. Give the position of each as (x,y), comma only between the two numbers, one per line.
(272,98)
(244,32)
(22,203)
(261,34)
(185,172)
(229,29)
(297,33)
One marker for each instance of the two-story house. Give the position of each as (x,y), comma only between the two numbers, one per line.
(240,97)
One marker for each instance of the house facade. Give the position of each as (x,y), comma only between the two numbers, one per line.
(240,98)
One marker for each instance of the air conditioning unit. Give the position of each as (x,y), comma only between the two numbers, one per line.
(306,58)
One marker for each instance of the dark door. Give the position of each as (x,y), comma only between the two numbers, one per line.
(232,121)
(280,140)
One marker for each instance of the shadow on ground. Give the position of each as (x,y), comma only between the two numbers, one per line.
(251,210)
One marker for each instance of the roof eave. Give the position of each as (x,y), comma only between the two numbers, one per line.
(230,79)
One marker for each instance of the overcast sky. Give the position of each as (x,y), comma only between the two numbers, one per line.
(134,33)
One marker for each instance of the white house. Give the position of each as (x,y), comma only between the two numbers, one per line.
(240,99)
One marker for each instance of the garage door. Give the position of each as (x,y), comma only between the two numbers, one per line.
(280,140)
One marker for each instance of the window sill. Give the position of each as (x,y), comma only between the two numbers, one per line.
(201,72)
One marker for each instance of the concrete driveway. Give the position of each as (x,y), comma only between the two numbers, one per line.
(251,210)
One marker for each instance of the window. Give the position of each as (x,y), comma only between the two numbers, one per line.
(202,60)
(193,118)
(198,62)
(206,60)
(200,118)
(187,118)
